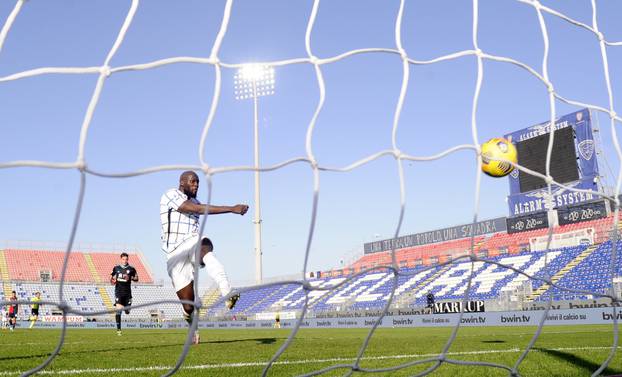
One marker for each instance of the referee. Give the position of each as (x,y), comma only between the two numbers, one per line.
(122,277)
(34,309)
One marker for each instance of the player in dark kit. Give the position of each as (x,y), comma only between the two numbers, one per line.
(430,302)
(13,311)
(122,277)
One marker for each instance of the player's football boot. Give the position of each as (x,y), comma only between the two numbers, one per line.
(231,301)
(196,338)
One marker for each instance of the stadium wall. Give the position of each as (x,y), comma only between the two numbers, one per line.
(590,316)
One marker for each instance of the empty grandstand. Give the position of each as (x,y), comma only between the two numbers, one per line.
(87,282)
(576,251)
(575,254)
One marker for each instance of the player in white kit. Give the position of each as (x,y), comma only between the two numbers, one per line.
(179,215)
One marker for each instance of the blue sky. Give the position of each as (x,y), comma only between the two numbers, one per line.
(155,117)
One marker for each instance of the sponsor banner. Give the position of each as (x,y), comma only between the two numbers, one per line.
(59,318)
(112,325)
(533,201)
(578,316)
(582,212)
(521,318)
(103,325)
(440,235)
(266,316)
(456,307)
(537,220)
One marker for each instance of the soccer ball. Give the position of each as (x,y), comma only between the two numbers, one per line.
(498,147)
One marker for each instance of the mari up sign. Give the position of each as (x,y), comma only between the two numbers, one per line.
(456,307)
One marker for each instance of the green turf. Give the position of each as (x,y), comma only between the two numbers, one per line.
(560,351)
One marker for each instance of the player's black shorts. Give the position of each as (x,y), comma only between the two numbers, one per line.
(34,312)
(12,315)
(124,300)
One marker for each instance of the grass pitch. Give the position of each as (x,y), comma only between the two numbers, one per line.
(560,351)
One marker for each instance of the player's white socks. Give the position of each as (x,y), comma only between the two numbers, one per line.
(217,272)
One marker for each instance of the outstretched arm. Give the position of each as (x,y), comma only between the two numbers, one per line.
(202,209)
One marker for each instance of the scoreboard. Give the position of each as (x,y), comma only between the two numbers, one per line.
(574,164)
(532,155)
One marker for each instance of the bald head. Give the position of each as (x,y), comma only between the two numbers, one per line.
(189,183)
(187,174)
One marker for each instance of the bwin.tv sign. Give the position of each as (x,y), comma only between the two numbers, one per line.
(456,307)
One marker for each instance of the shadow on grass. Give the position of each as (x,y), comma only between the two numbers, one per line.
(114,348)
(579,362)
(135,348)
(258,340)
(494,341)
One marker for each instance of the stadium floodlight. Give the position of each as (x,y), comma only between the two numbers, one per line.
(253,81)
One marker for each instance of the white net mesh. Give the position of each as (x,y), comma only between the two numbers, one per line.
(541,74)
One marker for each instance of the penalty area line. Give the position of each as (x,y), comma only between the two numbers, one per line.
(291,362)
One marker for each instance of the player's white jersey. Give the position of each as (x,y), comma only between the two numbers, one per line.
(176,226)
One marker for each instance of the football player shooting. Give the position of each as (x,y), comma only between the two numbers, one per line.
(179,215)
(121,277)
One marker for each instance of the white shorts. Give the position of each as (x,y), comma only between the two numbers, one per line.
(179,263)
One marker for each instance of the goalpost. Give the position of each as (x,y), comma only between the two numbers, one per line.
(541,74)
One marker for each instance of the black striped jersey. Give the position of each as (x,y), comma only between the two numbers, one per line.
(124,275)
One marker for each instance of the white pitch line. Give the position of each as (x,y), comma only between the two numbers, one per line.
(290,362)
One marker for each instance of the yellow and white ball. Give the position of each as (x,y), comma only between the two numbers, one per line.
(498,148)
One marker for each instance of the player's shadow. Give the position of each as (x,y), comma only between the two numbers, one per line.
(258,340)
(64,352)
(579,362)
(136,347)
(494,341)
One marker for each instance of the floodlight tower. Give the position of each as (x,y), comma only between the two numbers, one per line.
(254,81)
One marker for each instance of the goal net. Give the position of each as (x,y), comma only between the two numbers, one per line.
(436,145)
